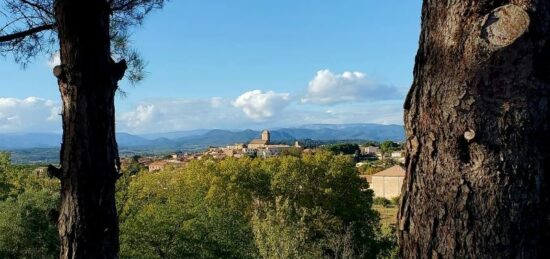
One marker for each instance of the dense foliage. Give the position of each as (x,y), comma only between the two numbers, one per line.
(310,206)
(27,203)
(389,146)
(344,148)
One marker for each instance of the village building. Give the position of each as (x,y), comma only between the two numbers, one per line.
(398,156)
(179,156)
(41,171)
(263,147)
(388,183)
(260,143)
(161,165)
(229,152)
(258,147)
(273,150)
(157,166)
(236,147)
(367,178)
(369,151)
(145,161)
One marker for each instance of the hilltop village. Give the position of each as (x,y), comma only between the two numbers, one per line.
(261,147)
(381,168)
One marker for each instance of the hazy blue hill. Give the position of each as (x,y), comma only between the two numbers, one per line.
(175,135)
(320,134)
(42,156)
(129,140)
(220,138)
(192,140)
(53,140)
(279,135)
(226,137)
(347,131)
(29,140)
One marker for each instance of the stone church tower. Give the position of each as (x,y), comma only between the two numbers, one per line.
(266,135)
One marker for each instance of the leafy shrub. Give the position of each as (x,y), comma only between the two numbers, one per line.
(395,200)
(346,149)
(382,202)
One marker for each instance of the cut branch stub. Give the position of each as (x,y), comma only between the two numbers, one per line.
(469,135)
(119,69)
(59,72)
(54,172)
(504,25)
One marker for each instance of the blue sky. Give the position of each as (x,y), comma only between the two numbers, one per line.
(247,64)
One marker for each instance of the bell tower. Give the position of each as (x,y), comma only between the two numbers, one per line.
(266,135)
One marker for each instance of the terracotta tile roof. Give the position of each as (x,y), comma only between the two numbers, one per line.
(394,171)
(258,141)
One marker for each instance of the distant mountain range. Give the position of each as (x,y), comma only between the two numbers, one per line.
(196,139)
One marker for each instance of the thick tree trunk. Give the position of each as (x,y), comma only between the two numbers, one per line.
(87,77)
(478,133)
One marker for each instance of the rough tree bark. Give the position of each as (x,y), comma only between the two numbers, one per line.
(478,133)
(87,78)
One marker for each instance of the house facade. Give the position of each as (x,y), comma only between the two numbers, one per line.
(388,183)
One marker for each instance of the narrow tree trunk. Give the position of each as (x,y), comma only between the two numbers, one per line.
(87,77)
(478,133)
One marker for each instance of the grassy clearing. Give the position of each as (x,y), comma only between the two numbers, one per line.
(388,215)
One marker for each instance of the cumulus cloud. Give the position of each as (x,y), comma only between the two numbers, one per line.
(252,109)
(168,115)
(328,88)
(163,115)
(31,114)
(259,105)
(143,114)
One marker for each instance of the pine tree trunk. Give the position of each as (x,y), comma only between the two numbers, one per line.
(87,78)
(478,133)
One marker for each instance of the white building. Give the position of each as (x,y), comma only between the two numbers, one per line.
(388,183)
(370,150)
(263,147)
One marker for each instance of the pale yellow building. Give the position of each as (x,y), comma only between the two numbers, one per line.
(260,143)
(388,183)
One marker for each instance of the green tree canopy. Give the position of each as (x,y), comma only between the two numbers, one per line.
(235,208)
(346,148)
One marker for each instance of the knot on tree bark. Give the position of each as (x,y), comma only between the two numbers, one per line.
(118,70)
(54,172)
(504,25)
(59,73)
(469,135)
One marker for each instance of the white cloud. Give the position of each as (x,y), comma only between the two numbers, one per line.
(31,114)
(253,109)
(164,115)
(216,102)
(143,114)
(259,105)
(328,88)
(167,115)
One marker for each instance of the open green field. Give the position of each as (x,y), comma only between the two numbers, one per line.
(388,215)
